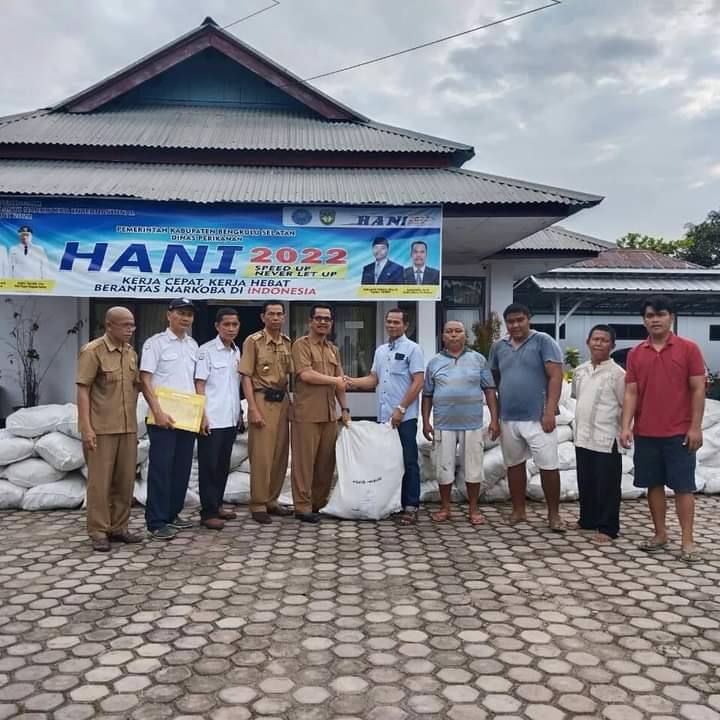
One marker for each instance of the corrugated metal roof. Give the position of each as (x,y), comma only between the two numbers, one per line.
(635,258)
(628,283)
(214,184)
(218,128)
(558,238)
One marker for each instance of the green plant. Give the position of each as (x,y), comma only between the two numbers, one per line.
(572,360)
(486,333)
(24,355)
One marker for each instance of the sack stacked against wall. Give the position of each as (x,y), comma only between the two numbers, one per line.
(42,465)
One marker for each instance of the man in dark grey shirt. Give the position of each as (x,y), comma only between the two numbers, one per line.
(527,366)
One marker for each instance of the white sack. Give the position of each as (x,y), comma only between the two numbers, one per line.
(712,414)
(10,495)
(710,477)
(568,487)
(13,449)
(709,453)
(61,451)
(237,490)
(36,421)
(192,499)
(141,413)
(493,466)
(143,450)
(31,472)
(238,455)
(67,493)
(69,426)
(370,469)
(628,491)
(499,492)
(564,433)
(244,466)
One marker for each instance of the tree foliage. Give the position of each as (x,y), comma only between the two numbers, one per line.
(702,241)
(648,242)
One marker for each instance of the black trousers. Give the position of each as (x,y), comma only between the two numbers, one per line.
(171,454)
(598,477)
(214,452)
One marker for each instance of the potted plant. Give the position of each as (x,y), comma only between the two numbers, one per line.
(24,355)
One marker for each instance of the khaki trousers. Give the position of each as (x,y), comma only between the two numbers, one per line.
(111,476)
(268,450)
(313,463)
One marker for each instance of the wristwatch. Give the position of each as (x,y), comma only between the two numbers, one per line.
(401,409)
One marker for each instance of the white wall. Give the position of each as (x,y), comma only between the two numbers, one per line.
(693,328)
(55,317)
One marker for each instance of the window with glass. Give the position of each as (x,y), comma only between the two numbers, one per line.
(353,332)
(463,300)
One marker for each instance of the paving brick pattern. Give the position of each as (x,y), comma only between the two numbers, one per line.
(350,620)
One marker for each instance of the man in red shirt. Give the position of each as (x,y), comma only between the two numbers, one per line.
(665,397)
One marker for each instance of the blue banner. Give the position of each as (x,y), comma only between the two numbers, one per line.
(97,248)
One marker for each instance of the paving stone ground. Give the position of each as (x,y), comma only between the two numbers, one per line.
(350,620)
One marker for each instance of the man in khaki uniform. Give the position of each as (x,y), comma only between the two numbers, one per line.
(265,365)
(319,381)
(108,382)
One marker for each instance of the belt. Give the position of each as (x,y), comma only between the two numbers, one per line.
(271,395)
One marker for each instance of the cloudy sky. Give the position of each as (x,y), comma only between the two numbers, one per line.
(615,97)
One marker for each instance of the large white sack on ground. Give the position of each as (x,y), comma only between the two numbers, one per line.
(31,472)
(568,487)
(61,451)
(237,490)
(712,413)
(566,459)
(10,495)
(140,414)
(370,470)
(493,466)
(13,449)
(238,455)
(67,493)
(430,492)
(710,477)
(628,491)
(192,499)
(709,453)
(36,421)
(143,450)
(70,425)
(244,466)
(564,433)
(499,492)
(628,467)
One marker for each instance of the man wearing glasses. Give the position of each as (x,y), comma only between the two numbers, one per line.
(319,383)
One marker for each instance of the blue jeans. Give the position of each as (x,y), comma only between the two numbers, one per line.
(410,497)
(171,453)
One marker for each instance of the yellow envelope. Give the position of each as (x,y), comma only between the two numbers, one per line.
(185,408)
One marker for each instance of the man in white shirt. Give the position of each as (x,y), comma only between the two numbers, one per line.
(27,260)
(168,360)
(599,385)
(218,379)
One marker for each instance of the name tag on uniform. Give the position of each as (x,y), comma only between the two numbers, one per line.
(399,356)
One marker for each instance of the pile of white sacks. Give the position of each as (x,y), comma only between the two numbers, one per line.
(42,465)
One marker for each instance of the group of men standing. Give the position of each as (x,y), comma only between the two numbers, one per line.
(658,406)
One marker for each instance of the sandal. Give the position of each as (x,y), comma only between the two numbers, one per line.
(440,516)
(476,519)
(691,556)
(652,546)
(408,518)
(558,525)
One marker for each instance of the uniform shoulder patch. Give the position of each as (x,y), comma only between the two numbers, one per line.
(285,337)
(256,335)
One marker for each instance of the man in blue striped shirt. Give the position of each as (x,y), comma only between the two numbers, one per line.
(457,380)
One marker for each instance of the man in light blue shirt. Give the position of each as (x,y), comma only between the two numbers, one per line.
(397,373)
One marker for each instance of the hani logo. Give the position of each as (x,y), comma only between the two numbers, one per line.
(301,216)
(327,217)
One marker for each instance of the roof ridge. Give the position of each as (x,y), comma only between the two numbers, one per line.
(16,117)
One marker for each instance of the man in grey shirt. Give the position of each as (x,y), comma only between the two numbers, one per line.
(527,366)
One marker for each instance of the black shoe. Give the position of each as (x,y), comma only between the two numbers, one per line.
(127,537)
(100,544)
(280,510)
(308,517)
(261,517)
(180,523)
(163,533)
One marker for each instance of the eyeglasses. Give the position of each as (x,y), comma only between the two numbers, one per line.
(322,319)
